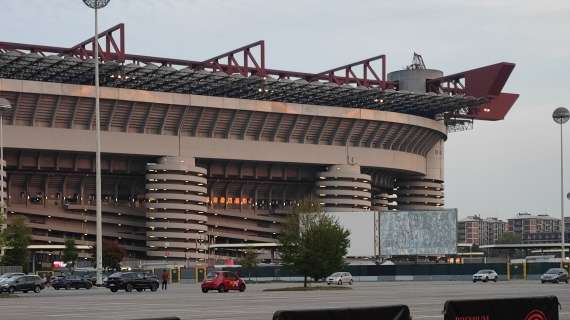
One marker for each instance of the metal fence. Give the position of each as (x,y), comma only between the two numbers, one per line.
(10,269)
(398,272)
(417,270)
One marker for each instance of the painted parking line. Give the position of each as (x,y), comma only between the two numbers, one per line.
(70,315)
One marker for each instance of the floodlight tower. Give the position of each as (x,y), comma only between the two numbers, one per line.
(96,5)
(561,116)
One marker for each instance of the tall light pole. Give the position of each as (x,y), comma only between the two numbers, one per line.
(561,116)
(4,106)
(96,5)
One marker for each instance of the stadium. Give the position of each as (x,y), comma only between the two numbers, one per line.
(197,153)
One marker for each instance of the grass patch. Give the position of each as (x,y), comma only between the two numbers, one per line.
(316,288)
(7,295)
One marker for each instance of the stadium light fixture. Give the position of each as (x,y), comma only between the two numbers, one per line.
(561,116)
(4,106)
(96,5)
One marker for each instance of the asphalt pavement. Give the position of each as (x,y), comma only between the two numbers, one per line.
(186,301)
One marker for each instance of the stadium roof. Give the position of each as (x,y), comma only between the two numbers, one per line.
(65,69)
(359,84)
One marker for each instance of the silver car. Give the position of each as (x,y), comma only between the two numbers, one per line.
(339,278)
(554,275)
(486,275)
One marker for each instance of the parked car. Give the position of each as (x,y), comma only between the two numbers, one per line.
(223,281)
(554,275)
(69,282)
(132,280)
(339,278)
(23,283)
(10,275)
(92,277)
(486,275)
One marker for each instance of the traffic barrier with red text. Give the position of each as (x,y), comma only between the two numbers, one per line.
(398,312)
(532,308)
(528,308)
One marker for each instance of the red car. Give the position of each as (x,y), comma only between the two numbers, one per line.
(223,281)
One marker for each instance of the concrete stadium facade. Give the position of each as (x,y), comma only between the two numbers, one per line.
(268,153)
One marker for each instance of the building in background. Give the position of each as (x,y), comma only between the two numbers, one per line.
(493,229)
(480,231)
(196,153)
(540,228)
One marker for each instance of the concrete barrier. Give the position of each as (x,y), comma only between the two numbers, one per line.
(397,312)
(529,308)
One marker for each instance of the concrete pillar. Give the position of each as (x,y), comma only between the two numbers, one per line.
(343,188)
(424,192)
(381,200)
(4,181)
(177,198)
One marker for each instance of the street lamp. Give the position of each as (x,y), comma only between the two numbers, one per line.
(561,116)
(96,5)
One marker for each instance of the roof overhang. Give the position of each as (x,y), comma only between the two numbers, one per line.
(241,73)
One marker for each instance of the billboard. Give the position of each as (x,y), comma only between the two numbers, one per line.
(422,233)
(362,227)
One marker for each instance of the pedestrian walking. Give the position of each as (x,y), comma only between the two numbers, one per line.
(165,278)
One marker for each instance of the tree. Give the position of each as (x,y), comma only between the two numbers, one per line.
(17,236)
(113,254)
(312,242)
(249,261)
(509,238)
(70,254)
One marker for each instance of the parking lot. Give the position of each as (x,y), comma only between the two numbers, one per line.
(187,302)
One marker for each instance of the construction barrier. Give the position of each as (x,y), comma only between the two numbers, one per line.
(200,274)
(175,274)
(398,312)
(528,308)
(417,272)
(533,308)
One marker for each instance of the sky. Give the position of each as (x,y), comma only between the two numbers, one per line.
(496,169)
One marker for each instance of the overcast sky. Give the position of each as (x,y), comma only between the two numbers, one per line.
(497,169)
